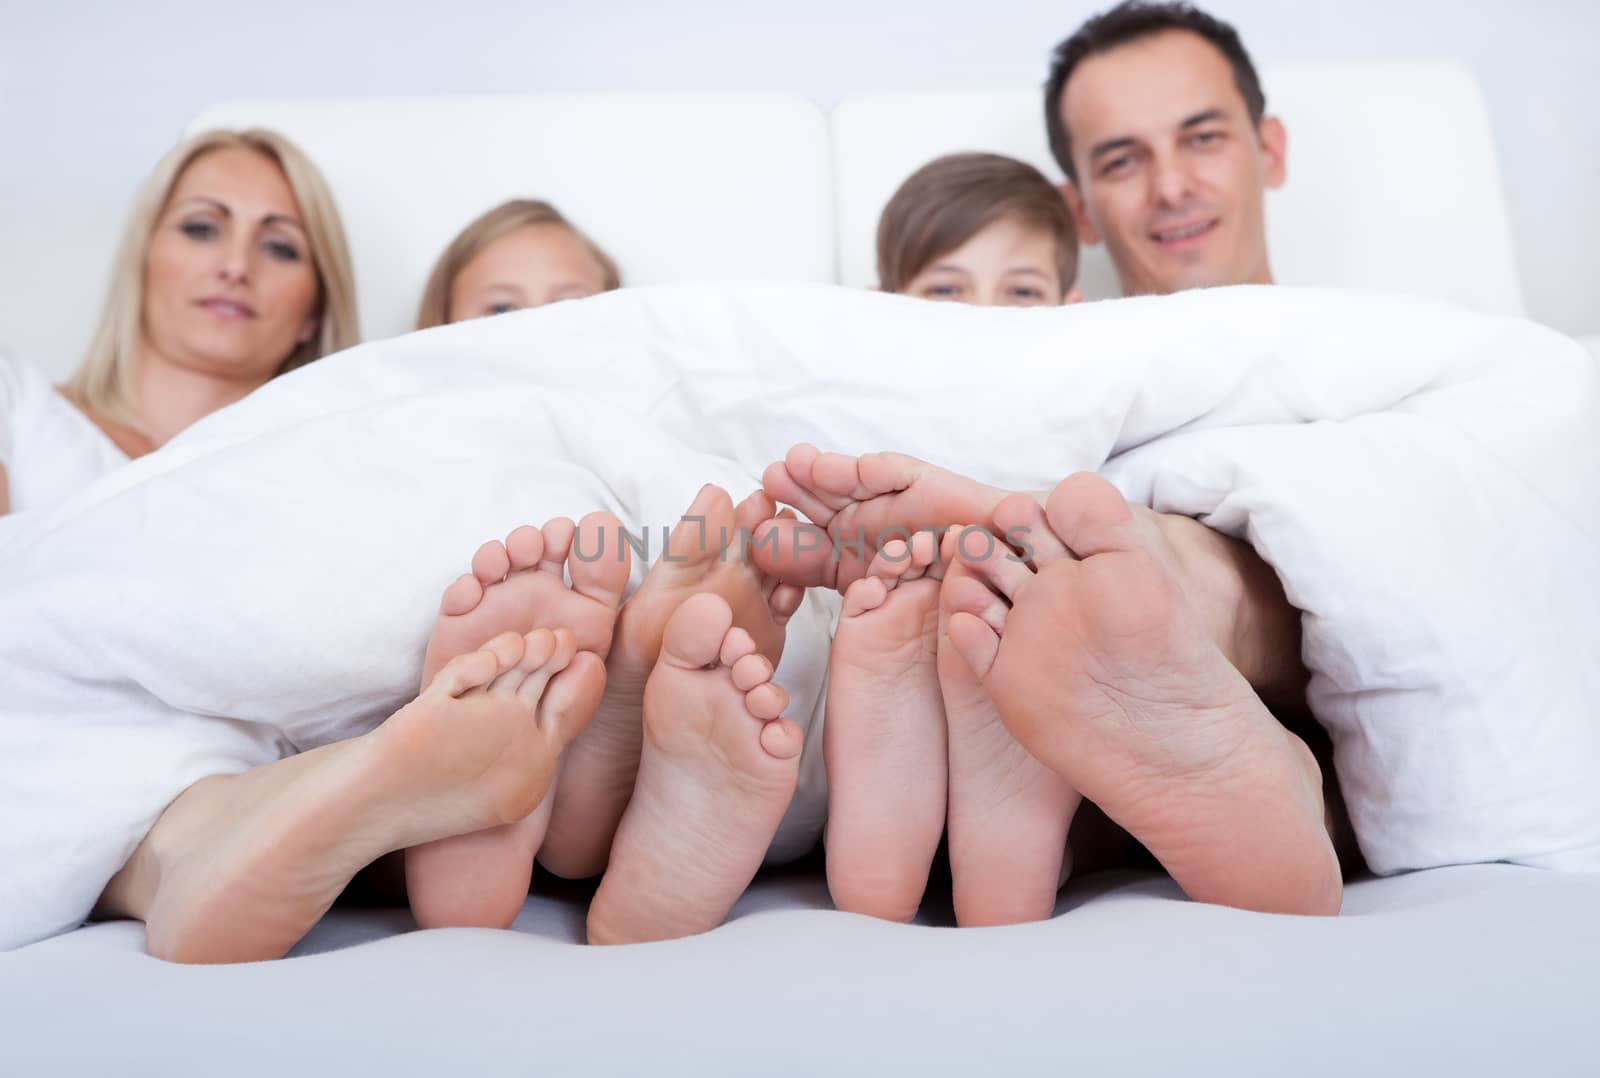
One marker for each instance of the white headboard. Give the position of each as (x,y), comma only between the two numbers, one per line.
(1392,179)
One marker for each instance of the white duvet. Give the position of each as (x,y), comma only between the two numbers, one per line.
(1422,479)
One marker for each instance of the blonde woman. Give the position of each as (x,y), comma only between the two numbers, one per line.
(522,253)
(232,270)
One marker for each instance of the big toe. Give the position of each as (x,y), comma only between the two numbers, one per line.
(572,696)
(694,634)
(1091,516)
(600,559)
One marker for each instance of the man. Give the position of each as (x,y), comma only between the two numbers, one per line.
(1157,118)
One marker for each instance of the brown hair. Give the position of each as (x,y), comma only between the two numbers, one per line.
(1134,20)
(949,200)
(504,219)
(105,380)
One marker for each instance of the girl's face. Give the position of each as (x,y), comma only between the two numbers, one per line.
(535,265)
(1007,264)
(229,285)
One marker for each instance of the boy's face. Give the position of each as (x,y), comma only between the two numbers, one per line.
(1007,264)
(1172,174)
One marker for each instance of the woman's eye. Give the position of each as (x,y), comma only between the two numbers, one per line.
(1027,295)
(283,252)
(501,308)
(941,291)
(198,230)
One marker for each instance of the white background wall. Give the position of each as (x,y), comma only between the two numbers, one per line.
(92,93)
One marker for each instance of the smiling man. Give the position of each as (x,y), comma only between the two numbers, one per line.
(1156,115)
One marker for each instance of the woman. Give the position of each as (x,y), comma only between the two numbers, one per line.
(522,253)
(232,270)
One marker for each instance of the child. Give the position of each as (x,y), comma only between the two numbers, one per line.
(979,228)
(520,254)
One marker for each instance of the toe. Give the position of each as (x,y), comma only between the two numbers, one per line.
(755,508)
(735,646)
(781,483)
(785,600)
(491,563)
(892,562)
(836,479)
(1091,516)
(865,594)
(557,544)
(994,563)
(601,559)
(964,593)
(974,641)
(795,552)
(887,473)
(528,676)
(766,701)
(782,739)
(461,597)
(466,672)
(525,547)
(694,634)
(1023,527)
(571,697)
(750,671)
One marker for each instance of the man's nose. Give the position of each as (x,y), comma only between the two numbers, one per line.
(1173,184)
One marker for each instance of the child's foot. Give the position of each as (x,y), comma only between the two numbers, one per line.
(883,740)
(258,858)
(1103,672)
(704,553)
(1009,814)
(715,778)
(481,879)
(862,503)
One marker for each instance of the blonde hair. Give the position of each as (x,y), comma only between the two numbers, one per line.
(105,380)
(503,220)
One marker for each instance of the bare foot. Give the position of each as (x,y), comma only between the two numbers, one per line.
(861,503)
(481,879)
(718,770)
(1101,669)
(704,553)
(241,866)
(884,736)
(1009,814)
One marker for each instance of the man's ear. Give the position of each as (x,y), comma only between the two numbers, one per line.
(1275,144)
(1074,295)
(1087,234)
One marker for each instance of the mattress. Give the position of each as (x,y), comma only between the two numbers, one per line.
(1488,969)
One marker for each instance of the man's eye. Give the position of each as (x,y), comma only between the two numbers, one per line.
(198,230)
(1206,138)
(1117,165)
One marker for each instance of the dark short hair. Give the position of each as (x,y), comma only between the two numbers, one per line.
(1131,21)
(949,200)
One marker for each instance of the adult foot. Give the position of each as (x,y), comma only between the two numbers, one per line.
(883,738)
(1102,670)
(481,879)
(704,553)
(716,775)
(240,867)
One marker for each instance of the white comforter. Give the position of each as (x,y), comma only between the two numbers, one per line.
(1421,478)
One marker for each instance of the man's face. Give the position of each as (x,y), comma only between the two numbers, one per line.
(1172,175)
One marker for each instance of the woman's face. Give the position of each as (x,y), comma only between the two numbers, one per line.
(1007,264)
(532,266)
(229,285)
